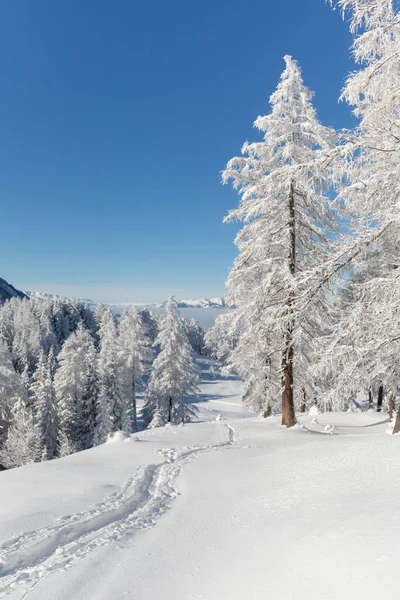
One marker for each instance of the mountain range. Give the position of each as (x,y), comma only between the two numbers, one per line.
(202,303)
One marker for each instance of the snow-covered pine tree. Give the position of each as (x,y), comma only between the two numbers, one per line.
(133,351)
(71,385)
(157,421)
(222,338)
(22,445)
(45,406)
(174,376)
(195,335)
(87,417)
(112,407)
(11,383)
(288,222)
(367,342)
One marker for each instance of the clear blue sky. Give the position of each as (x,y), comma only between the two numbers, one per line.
(116,118)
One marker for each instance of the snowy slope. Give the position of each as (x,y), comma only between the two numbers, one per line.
(8,291)
(220,510)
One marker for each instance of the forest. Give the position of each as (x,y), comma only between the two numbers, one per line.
(69,377)
(315,286)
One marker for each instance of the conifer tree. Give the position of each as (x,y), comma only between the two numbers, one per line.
(174,377)
(45,407)
(366,342)
(22,445)
(11,383)
(113,408)
(283,183)
(87,418)
(71,386)
(133,350)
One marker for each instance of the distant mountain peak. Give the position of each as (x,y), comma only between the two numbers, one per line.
(8,291)
(202,303)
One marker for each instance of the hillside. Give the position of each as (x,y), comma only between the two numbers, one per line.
(8,291)
(232,509)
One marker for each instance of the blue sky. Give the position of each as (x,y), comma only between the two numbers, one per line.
(116,118)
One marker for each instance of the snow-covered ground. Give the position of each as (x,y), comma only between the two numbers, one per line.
(230,509)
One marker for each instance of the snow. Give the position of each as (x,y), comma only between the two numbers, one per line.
(231,508)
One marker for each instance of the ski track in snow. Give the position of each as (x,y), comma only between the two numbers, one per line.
(27,558)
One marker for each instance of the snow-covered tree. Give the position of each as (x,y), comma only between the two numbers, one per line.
(195,335)
(22,445)
(157,421)
(133,351)
(87,415)
(112,408)
(45,406)
(11,383)
(366,342)
(222,338)
(72,382)
(288,225)
(174,377)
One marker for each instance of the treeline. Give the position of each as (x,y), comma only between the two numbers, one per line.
(316,281)
(69,378)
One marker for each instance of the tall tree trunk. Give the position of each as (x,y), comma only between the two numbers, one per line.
(170,410)
(391,405)
(267,411)
(288,415)
(303,401)
(134,410)
(380,399)
(396,428)
(370,398)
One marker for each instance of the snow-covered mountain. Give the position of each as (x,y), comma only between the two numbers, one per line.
(8,291)
(202,303)
(44,296)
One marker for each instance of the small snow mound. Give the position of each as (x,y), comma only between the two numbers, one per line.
(314,420)
(302,427)
(329,429)
(118,437)
(219,417)
(168,424)
(134,438)
(313,410)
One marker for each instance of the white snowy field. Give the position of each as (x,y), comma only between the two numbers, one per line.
(234,509)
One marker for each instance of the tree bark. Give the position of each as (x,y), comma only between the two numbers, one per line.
(134,410)
(288,415)
(380,399)
(170,410)
(303,402)
(370,399)
(266,411)
(396,428)
(391,405)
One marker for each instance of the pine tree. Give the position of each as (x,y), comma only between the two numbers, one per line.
(71,384)
(112,407)
(367,337)
(174,376)
(133,351)
(22,445)
(283,244)
(87,418)
(45,407)
(157,421)
(11,383)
